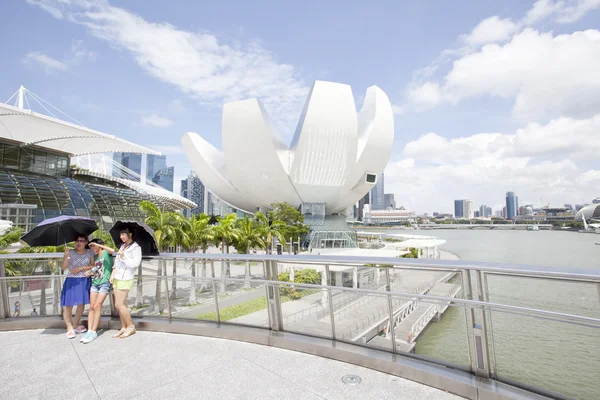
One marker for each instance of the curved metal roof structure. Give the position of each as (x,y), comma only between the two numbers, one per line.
(588,212)
(28,128)
(335,157)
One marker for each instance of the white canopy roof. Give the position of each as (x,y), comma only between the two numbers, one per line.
(30,128)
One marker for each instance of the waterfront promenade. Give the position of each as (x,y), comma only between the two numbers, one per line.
(43,364)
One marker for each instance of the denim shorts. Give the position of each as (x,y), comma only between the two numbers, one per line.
(103,288)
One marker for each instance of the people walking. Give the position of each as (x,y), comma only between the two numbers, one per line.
(103,264)
(76,288)
(129,257)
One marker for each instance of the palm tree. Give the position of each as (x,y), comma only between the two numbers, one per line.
(165,226)
(250,236)
(179,239)
(47,267)
(11,236)
(269,230)
(200,236)
(226,234)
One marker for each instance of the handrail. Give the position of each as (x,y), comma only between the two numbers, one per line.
(475,304)
(565,273)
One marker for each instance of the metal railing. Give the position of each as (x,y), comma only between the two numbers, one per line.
(483,331)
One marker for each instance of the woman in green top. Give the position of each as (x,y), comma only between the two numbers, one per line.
(100,288)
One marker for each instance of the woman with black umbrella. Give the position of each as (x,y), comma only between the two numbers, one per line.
(129,257)
(76,289)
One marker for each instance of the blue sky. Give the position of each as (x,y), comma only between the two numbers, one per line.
(489,96)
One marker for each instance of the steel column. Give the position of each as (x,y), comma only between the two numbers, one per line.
(388,288)
(330,301)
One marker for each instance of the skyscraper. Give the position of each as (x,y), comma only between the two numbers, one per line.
(377,195)
(193,189)
(511,205)
(158,172)
(468,209)
(361,206)
(131,161)
(164,178)
(485,211)
(389,201)
(458,208)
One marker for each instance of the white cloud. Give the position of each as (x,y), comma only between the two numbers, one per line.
(491,30)
(49,64)
(545,75)
(561,11)
(155,120)
(501,31)
(197,63)
(435,170)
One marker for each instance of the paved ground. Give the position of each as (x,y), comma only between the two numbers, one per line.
(44,364)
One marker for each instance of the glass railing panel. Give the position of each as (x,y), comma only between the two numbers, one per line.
(142,297)
(195,300)
(362,318)
(305,310)
(244,302)
(570,297)
(444,337)
(33,296)
(556,356)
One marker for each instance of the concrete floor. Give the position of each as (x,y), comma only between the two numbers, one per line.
(44,364)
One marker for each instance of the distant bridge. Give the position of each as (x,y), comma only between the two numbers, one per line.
(509,227)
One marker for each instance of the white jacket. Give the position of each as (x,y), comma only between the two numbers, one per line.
(125,266)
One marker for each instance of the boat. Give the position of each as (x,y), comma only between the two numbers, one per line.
(535,227)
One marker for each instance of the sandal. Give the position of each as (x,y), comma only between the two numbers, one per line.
(118,334)
(128,332)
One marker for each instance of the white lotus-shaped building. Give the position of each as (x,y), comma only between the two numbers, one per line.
(335,157)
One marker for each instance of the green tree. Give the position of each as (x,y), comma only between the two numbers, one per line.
(165,226)
(249,237)
(200,235)
(226,233)
(269,229)
(11,236)
(292,218)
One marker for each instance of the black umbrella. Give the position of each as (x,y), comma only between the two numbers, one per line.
(142,235)
(59,230)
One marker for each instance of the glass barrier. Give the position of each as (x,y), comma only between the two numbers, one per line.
(305,309)
(557,356)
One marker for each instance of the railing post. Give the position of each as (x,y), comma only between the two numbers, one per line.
(215,293)
(469,316)
(166,280)
(273,300)
(4,303)
(493,370)
(330,301)
(480,335)
(390,308)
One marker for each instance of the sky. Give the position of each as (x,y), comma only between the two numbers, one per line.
(489,96)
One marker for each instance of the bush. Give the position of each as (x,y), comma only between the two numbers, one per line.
(309,276)
(414,253)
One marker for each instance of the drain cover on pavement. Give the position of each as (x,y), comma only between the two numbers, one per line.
(351,379)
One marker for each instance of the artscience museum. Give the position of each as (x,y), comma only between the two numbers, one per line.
(335,158)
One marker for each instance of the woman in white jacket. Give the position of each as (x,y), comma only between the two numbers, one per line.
(129,257)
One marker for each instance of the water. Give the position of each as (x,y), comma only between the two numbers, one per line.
(552,355)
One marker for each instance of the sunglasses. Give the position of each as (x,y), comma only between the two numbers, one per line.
(81,241)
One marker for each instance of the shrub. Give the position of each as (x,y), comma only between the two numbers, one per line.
(309,276)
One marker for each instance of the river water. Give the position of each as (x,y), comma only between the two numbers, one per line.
(561,357)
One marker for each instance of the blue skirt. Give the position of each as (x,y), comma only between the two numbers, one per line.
(75,291)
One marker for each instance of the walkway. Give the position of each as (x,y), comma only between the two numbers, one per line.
(44,364)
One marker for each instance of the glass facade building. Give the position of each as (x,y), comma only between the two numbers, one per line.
(131,161)
(512,204)
(36,184)
(377,195)
(193,189)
